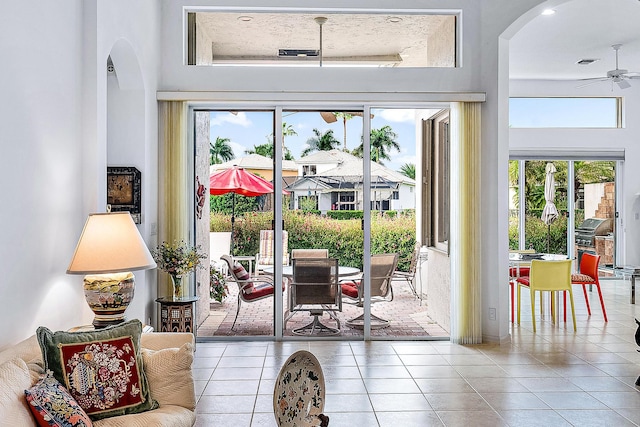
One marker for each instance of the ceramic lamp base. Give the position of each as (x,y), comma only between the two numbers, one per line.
(108,296)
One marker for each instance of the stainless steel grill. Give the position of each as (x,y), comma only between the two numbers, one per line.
(592,227)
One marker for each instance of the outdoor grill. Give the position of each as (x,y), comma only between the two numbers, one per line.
(590,228)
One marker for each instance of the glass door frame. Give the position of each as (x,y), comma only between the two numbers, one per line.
(320,105)
(571,223)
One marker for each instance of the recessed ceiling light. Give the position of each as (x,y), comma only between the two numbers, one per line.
(394,19)
(548,12)
(245,18)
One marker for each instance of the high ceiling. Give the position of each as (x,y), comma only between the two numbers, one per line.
(548,47)
(354,38)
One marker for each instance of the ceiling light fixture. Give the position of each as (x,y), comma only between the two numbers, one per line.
(320,20)
(245,18)
(548,12)
(394,19)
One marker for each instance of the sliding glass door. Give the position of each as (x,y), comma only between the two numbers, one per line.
(584,193)
(325,199)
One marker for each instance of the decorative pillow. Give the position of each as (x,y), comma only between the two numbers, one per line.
(15,378)
(52,405)
(102,369)
(170,376)
(241,274)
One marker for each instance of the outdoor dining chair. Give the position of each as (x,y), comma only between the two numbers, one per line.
(264,257)
(250,289)
(382,268)
(314,288)
(514,273)
(410,275)
(219,244)
(547,276)
(588,275)
(309,253)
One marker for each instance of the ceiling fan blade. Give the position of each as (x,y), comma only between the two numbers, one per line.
(623,84)
(592,81)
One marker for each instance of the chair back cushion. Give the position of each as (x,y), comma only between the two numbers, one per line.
(239,273)
(265,254)
(309,253)
(550,275)
(382,268)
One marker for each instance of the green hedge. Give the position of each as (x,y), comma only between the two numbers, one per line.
(343,238)
(345,214)
(537,233)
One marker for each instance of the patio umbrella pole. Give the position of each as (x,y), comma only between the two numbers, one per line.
(233,219)
(548,237)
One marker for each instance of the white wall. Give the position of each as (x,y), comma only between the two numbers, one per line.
(53,147)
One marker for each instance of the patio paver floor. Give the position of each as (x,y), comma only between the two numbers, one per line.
(407,316)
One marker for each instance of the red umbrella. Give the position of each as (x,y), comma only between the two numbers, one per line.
(238,181)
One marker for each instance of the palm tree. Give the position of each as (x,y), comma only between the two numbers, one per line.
(287,130)
(321,142)
(408,169)
(220,151)
(345,117)
(382,141)
(266,150)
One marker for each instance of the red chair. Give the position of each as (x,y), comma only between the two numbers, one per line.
(588,275)
(514,273)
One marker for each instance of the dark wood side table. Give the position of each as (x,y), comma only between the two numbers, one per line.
(177,315)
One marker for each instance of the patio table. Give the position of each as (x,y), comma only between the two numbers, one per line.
(343,271)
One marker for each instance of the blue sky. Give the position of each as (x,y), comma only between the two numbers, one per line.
(248,128)
(582,112)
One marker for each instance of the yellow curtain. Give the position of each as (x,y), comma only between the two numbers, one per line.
(466,303)
(173,188)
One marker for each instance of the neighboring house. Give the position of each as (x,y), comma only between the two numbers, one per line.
(259,165)
(334,180)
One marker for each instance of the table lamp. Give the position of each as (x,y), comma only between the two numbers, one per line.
(110,246)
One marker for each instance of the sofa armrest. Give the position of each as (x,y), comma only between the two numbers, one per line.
(160,340)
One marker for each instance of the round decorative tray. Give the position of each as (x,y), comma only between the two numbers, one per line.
(298,396)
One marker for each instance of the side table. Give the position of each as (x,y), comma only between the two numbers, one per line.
(247,258)
(633,272)
(177,314)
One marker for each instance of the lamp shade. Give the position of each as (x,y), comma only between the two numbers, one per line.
(110,243)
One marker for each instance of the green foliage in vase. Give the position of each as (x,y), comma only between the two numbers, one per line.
(178,257)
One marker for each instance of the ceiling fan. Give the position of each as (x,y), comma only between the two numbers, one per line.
(618,76)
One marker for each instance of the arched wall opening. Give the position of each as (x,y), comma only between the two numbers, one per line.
(126,148)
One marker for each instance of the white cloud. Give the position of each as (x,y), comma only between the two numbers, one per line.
(398,115)
(238,149)
(240,119)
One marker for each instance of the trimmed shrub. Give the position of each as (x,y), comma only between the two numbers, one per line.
(344,238)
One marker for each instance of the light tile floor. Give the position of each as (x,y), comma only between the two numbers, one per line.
(554,377)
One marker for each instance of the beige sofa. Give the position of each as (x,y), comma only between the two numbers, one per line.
(167,358)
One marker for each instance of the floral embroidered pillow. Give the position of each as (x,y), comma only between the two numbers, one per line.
(102,370)
(52,405)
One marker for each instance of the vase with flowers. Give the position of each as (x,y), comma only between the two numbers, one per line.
(177,259)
